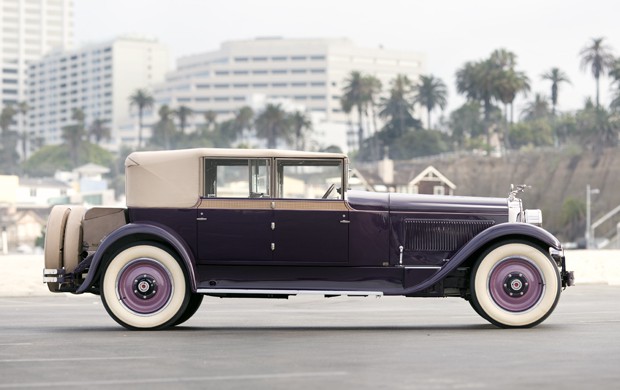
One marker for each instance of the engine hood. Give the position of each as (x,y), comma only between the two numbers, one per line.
(394,202)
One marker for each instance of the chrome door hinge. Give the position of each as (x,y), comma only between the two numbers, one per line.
(273,246)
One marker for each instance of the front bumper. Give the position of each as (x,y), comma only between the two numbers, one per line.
(567,277)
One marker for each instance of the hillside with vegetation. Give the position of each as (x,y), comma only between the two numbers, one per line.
(558,180)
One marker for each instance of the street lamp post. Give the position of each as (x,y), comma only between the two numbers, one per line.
(589,235)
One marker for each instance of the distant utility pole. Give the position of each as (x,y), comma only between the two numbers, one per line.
(589,235)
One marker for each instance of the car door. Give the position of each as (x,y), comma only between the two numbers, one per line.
(235,215)
(311,220)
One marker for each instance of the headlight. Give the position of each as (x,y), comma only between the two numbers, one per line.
(533,217)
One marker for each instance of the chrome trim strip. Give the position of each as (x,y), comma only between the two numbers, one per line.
(286,292)
(422,267)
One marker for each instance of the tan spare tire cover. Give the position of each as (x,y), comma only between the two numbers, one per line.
(73,238)
(54,240)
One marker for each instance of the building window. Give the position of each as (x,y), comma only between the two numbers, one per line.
(278,58)
(439,190)
(299,58)
(33,192)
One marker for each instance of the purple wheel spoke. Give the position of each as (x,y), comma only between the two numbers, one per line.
(144,286)
(516,284)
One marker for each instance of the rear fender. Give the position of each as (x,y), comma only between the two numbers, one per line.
(507,231)
(115,240)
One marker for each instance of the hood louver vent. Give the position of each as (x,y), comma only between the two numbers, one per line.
(441,235)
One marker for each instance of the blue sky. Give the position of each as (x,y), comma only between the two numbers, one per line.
(543,34)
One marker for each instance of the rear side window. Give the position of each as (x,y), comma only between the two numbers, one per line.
(237,178)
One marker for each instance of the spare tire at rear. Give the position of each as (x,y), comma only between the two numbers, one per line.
(54,240)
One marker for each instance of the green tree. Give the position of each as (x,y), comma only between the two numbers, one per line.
(573,217)
(373,89)
(273,124)
(74,135)
(143,100)
(8,144)
(301,126)
(99,130)
(430,94)
(357,92)
(598,58)
(23,109)
(466,123)
(51,158)
(244,120)
(397,109)
(536,109)
(164,132)
(183,114)
(556,76)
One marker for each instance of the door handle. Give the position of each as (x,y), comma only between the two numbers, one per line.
(345,221)
(201,219)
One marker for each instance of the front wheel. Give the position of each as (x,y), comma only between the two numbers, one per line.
(144,287)
(515,285)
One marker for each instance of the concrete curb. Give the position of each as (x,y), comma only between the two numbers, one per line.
(22,273)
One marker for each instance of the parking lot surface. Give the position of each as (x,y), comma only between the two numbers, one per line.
(63,341)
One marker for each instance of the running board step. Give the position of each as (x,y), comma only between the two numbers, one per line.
(287,292)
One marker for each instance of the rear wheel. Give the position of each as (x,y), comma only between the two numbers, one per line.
(515,285)
(192,307)
(145,287)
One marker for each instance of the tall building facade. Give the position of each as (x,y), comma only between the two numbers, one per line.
(308,72)
(29,29)
(98,79)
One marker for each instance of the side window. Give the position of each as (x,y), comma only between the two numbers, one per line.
(310,179)
(236,178)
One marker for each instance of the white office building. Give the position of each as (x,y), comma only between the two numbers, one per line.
(28,30)
(306,72)
(99,79)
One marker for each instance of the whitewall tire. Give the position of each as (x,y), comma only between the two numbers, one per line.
(515,285)
(144,287)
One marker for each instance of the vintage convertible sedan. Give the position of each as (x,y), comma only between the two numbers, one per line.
(274,223)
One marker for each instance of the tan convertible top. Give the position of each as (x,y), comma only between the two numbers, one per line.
(171,178)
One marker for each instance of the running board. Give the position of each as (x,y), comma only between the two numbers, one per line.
(287,292)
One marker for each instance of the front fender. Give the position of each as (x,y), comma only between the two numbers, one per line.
(509,230)
(161,232)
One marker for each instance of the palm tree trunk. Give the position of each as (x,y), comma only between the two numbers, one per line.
(139,127)
(597,90)
(428,118)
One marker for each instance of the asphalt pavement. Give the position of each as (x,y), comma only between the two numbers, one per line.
(64,341)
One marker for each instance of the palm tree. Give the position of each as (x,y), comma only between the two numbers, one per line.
(509,84)
(244,118)
(164,130)
(556,76)
(8,141)
(398,109)
(142,99)
(301,124)
(478,82)
(536,109)
(74,134)
(99,130)
(373,89)
(183,113)
(430,93)
(598,58)
(356,95)
(23,109)
(272,124)
(210,119)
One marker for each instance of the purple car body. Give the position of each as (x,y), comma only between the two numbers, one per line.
(273,224)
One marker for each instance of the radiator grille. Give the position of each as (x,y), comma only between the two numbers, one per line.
(441,235)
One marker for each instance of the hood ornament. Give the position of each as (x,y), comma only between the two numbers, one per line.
(515,191)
